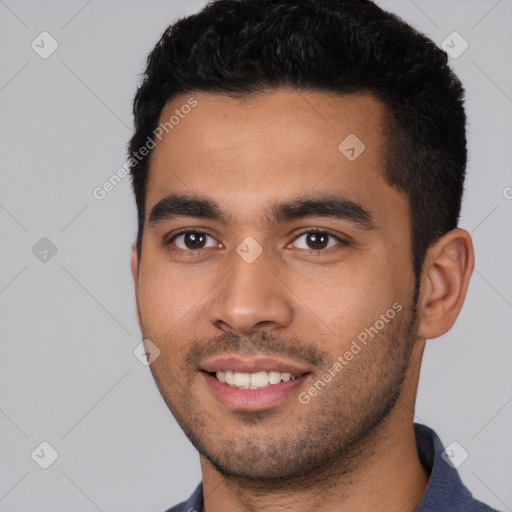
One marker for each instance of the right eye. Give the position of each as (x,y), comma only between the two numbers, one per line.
(191,240)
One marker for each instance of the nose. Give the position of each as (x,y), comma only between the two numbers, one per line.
(250,298)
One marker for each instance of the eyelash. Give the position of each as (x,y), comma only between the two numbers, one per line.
(341,241)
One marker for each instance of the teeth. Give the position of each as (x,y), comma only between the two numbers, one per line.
(274,377)
(242,380)
(230,378)
(259,380)
(253,380)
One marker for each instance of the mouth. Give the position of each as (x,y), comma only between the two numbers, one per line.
(256,380)
(253,384)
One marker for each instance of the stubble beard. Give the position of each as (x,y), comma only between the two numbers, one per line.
(337,430)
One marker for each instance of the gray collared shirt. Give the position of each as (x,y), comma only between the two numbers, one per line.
(445,491)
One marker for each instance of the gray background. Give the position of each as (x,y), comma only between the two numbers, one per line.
(68,375)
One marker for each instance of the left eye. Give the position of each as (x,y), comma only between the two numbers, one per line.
(317,240)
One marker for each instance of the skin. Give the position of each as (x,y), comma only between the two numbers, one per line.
(352,446)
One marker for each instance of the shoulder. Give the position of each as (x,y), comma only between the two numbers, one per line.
(445,490)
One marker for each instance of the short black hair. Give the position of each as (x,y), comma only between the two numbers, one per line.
(245,47)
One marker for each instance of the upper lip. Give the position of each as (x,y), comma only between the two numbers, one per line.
(254,365)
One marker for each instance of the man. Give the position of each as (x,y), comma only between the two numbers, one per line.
(299,175)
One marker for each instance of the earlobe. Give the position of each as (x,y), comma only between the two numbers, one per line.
(445,278)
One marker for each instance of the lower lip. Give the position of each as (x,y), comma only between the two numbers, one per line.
(251,399)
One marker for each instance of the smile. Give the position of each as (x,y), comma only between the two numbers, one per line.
(253,380)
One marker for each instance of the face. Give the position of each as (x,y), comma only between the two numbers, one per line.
(280,256)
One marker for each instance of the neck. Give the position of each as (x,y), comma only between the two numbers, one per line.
(386,473)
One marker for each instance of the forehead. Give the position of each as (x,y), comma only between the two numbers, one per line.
(275,145)
(284,121)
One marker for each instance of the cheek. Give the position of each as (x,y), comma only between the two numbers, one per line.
(341,302)
(165,298)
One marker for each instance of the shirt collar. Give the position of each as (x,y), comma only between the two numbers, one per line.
(445,490)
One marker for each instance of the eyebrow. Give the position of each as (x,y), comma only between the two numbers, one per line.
(334,206)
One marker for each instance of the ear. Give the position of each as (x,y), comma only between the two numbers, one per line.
(135,263)
(135,273)
(445,278)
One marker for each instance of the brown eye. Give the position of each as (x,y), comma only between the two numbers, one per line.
(317,240)
(192,240)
